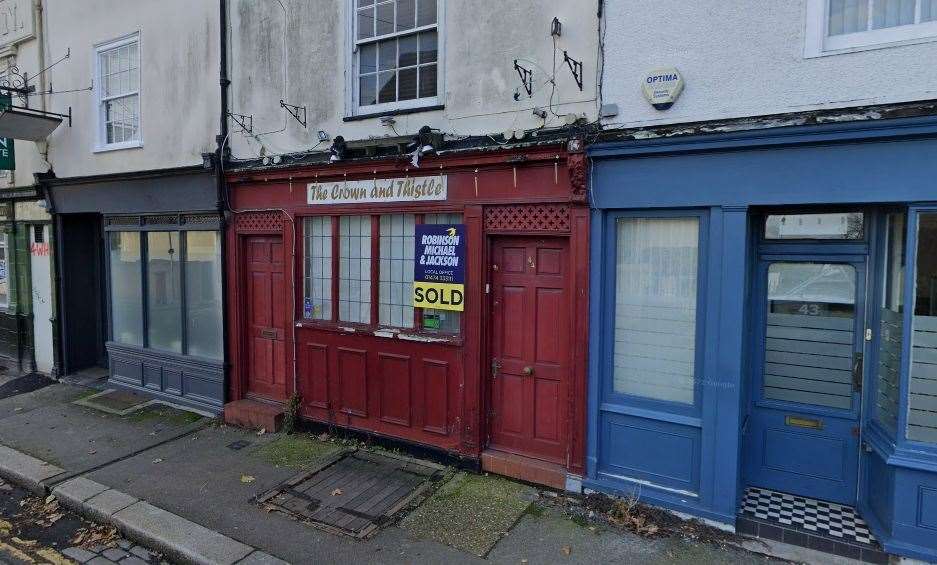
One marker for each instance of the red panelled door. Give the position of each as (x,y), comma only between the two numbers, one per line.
(530,347)
(266,308)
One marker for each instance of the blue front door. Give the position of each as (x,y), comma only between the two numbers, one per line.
(802,436)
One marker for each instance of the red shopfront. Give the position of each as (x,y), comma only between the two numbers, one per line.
(320,295)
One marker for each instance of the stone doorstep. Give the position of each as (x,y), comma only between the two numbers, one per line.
(139,521)
(524,469)
(254,414)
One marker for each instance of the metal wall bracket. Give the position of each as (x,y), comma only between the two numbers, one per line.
(575,67)
(527,78)
(245,122)
(295,111)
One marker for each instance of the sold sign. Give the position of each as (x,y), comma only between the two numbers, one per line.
(439,272)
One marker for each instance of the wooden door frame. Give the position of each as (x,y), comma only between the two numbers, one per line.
(242,365)
(487,334)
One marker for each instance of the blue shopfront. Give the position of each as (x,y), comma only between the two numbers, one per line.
(764,328)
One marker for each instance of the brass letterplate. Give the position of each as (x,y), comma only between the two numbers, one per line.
(800,422)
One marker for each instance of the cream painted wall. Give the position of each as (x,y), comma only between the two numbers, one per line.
(180,97)
(299,54)
(743,58)
(19,46)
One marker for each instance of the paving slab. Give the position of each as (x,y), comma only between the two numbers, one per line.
(177,537)
(77,438)
(47,396)
(261,558)
(206,487)
(26,470)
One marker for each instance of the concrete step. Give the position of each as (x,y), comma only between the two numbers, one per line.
(254,414)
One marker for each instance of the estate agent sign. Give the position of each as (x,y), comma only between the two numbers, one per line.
(439,273)
(409,189)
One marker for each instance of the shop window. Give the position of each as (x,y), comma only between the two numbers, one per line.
(203,293)
(354,270)
(395,53)
(836,225)
(396,285)
(4,272)
(118,92)
(126,285)
(655,314)
(318,272)
(890,326)
(922,405)
(394,263)
(181,297)
(847,25)
(164,291)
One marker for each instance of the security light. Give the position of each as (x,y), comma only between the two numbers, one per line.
(323,136)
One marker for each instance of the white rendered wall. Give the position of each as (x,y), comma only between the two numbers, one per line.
(742,58)
(300,55)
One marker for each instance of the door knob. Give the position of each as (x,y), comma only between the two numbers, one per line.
(528,371)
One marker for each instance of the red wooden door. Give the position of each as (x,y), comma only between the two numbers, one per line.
(530,347)
(266,308)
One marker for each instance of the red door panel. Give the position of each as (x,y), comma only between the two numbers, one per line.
(266,317)
(530,347)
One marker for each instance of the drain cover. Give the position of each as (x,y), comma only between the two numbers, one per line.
(354,495)
(114,401)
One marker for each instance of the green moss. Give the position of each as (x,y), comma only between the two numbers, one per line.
(535,510)
(166,414)
(298,451)
(471,512)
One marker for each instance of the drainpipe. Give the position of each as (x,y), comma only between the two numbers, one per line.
(220,157)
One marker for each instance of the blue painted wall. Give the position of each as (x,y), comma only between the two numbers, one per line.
(690,459)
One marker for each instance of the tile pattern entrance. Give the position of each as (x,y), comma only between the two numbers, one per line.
(806,522)
(813,515)
(353,494)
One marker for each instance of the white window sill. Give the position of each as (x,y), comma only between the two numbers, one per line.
(117,146)
(876,39)
(408,106)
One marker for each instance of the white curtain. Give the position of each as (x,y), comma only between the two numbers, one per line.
(655,311)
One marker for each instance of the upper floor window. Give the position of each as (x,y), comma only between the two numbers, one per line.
(118,94)
(848,25)
(396,54)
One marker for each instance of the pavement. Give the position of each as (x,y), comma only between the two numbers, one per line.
(185,487)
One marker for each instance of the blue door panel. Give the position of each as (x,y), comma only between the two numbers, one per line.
(663,453)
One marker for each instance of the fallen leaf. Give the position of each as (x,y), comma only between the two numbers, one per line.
(248,478)
(337,492)
(566,550)
(50,499)
(262,431)
(26,542)
(157,461)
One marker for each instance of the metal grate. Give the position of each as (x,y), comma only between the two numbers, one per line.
(354,494)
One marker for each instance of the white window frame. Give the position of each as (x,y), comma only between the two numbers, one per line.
(820,44)
(100,142)
(351,64)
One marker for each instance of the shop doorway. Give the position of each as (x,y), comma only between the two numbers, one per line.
(809,333)
(266,311)
(82,291)
(530,347)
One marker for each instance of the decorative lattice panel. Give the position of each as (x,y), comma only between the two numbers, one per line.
(259,222)
(528,218)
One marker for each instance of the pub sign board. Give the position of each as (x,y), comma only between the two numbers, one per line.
(439,270)
(408,189)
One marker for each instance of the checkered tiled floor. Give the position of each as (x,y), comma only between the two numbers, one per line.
(815,516)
